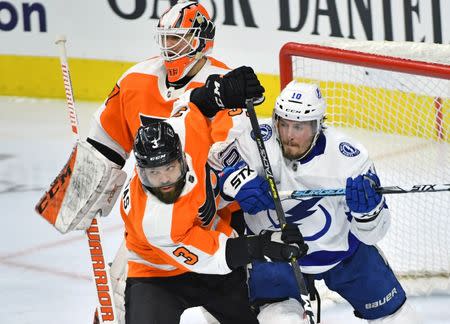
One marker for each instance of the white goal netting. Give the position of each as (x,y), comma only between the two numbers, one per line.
(403,118)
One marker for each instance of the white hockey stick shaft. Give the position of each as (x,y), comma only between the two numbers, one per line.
(61,43)
(105,310)
(422,188)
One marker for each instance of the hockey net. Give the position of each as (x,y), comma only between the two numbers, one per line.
(400,110)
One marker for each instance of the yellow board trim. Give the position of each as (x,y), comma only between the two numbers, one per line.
(40,77)
(92,80)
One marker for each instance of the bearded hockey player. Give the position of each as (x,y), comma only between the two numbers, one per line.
(341,232)
(181,253)
(91,182)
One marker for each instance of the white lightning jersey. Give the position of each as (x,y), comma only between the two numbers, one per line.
(325,222)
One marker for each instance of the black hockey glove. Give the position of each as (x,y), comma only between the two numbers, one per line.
(290,234)
(228,91)
(266,246)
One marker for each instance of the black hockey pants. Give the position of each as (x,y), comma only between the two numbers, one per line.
(163,300)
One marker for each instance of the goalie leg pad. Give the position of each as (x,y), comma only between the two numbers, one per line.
(118,272)
(88,185)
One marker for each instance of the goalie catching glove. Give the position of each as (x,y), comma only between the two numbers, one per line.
(228,91)
(88,185)
(241,183)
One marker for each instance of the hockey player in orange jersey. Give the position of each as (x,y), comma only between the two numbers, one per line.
(181,253)
(147,91)
(180,198)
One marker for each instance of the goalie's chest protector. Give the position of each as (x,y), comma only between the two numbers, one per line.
(141,97)
(324,221)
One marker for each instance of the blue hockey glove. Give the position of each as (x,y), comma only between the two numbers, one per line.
(361,197)
(246,187)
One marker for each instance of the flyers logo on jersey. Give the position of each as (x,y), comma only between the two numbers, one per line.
(208,210)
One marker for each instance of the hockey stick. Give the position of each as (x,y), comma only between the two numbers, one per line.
(304,295)
(105,310)
(296,194)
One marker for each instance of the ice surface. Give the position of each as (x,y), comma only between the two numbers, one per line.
(45,276)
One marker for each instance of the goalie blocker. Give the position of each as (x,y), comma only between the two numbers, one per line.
(89,184)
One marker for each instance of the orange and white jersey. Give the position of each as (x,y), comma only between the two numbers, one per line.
(141,96)
(188,235)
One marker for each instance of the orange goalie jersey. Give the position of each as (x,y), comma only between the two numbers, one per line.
(188,235)
(140,96)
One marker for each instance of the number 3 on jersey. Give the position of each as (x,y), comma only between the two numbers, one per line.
(190,258)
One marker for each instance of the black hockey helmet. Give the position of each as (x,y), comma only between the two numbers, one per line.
(156,144)
(157,149)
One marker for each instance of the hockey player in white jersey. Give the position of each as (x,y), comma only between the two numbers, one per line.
(340,231)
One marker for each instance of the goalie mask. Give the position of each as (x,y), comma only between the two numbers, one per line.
(185,34)
(160,161)
(300,104)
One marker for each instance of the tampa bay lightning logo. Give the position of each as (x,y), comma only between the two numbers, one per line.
(266,132)
(348,150)
(305,209)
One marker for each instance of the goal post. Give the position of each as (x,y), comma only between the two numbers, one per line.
(395,99)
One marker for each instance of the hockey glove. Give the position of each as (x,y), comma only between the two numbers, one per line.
(243,184)
(228,91)
(266,246)
(361,197)
(88,185)
(291,234)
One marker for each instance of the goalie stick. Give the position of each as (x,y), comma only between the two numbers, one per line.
(296,194)
(304,295)
(105,310)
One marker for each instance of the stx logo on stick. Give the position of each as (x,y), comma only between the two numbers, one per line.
(423,188)
(100,274)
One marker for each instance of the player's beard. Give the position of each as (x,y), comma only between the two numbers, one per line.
(293,151)
(169,197)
